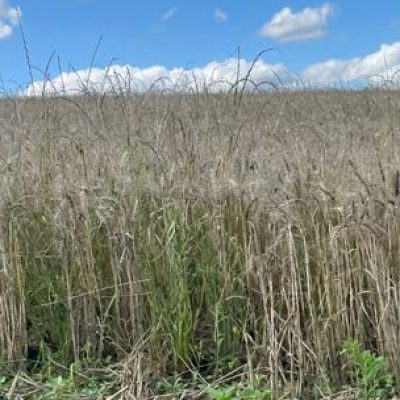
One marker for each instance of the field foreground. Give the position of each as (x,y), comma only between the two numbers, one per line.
(164,243)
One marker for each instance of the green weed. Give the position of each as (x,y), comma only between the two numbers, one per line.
(238,391)
(368,372)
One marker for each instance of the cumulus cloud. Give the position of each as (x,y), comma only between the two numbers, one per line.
(168,14)
(5,30)
(220,15)
(381,64)
(8,19)
(288,26)
(215,76)
(218,76)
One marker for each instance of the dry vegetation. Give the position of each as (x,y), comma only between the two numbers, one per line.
(160,234)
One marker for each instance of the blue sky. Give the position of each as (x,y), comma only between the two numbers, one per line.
(321,41)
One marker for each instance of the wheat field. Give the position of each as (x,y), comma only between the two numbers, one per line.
(158,235)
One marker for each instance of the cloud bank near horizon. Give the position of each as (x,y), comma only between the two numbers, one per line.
(383,64)
(375,67)
(214,77)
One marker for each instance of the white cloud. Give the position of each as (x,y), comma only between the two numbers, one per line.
(5,30)
(220,75)
(288,26)
(215,76)
(168,14)
(382,63)
(8,19)
(220,15)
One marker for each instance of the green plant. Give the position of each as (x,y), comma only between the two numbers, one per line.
(171,386)
(3,384)
(238,391)
(66,387)
(368,372)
